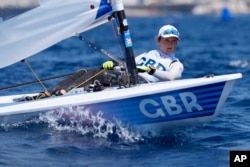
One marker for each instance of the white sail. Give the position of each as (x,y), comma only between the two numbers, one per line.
(46,25)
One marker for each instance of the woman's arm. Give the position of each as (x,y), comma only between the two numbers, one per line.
(174,72)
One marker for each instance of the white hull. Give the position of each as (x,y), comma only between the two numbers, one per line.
(151,106)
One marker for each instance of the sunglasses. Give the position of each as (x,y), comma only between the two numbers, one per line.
(171,32)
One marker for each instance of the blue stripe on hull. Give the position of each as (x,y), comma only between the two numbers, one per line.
(166,106)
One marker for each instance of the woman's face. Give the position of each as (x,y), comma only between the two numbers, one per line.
(168,45)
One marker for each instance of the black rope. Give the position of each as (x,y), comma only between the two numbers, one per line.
(35,81)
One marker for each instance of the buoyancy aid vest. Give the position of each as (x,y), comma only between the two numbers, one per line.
(161,61)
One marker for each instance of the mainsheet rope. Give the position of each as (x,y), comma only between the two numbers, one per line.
(85,81)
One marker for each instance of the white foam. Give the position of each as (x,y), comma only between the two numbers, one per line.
(81,120)
(239,63)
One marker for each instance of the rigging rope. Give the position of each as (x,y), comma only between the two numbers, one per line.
(106,53)
(35,81)
(33,72)
(116,31)
(98,73)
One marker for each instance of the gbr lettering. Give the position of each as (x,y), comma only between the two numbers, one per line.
(170,105)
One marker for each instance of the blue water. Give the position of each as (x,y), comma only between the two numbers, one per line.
(208,45)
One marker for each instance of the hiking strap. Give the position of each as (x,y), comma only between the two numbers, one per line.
(87,80)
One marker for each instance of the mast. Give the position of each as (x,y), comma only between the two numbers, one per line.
(126,38)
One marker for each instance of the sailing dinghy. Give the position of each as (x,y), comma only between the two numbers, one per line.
(157,106)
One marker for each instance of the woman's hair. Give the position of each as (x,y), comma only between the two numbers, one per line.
(158,38)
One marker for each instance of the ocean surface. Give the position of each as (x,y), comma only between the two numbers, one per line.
(209,45)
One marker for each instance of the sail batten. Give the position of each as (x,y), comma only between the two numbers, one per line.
(46,25)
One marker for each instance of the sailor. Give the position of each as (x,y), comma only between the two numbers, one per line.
(161,64)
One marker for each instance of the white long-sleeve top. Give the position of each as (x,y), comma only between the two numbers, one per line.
(168,67)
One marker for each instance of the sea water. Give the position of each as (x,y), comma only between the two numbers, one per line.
(209,45)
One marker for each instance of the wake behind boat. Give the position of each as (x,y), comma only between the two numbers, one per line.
(156,106)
